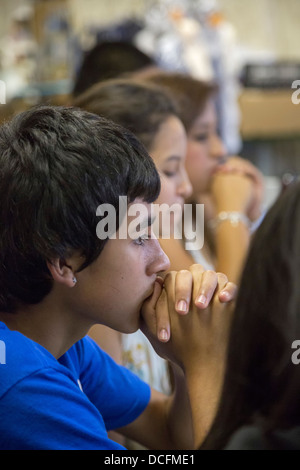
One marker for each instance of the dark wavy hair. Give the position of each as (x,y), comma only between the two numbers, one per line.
(262,385)
(190,94)
(57,165)
(109,59)
(135,104)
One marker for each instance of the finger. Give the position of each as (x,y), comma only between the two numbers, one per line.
(205,283)
(148,310)
(160,280)
(243,167)
(183,291)
(223,309)
(163,327)
(205,293)
(157,289)
(251,172)
(228,293)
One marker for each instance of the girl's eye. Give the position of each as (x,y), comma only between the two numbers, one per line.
(171,171)
(170,174)
(201,137)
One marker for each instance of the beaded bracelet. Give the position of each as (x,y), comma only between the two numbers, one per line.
(233,217)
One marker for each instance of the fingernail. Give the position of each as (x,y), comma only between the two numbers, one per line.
(163,335)
(201,299)
(225,295)
(182,306)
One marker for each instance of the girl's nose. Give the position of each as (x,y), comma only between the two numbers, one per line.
(185,188)
(217,148)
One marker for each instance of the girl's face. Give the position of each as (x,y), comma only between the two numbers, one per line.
(168,152)
(205,150)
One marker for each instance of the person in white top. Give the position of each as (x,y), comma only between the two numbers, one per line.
(231,188)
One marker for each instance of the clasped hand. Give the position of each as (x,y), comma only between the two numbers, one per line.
(187,309)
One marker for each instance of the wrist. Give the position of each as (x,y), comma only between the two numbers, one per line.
(234,206)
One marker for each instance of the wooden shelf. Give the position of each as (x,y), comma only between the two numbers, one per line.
(268,114)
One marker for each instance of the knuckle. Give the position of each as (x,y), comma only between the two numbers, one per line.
(210,272)
(169,276)
(196,268)
(222,278)
(232,286)
(184,272)
(184,279)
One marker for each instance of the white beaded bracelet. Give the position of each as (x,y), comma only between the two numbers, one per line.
(233,217)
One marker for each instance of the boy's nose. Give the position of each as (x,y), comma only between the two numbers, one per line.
(161,261)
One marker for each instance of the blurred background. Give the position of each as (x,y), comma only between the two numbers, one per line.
(252,49)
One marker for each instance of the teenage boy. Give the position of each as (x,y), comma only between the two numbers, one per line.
(58,390)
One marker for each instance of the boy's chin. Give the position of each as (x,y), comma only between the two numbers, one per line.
(133,326)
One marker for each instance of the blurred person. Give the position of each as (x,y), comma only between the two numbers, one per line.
(110,59)
(231,189)
(259,406)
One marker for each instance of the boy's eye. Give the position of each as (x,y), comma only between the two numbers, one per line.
(141,240)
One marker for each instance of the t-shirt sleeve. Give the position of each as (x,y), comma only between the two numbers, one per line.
(47,411)
(120,395)
(70,404)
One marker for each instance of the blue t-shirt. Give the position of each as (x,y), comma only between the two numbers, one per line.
(68,403)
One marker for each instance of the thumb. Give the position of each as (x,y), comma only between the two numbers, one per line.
(148,312)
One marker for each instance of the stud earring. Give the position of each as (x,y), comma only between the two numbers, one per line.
(74,280)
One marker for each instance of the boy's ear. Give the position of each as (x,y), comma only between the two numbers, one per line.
(61,272)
